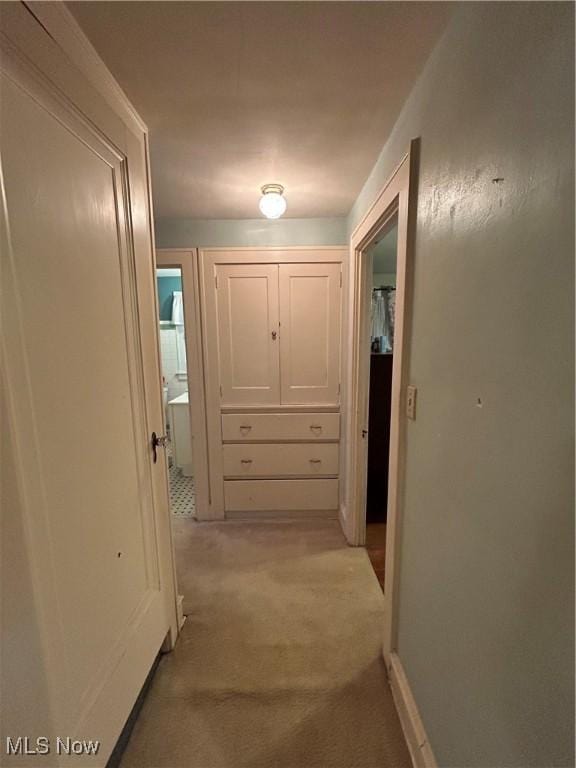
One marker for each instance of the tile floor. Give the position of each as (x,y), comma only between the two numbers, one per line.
(182,493)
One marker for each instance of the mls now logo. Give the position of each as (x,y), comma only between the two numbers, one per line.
(24,745)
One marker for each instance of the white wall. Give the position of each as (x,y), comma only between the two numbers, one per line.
(173,361)
(486,621)
(190,233)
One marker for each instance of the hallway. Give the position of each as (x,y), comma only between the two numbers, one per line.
(287,346)
(279,662)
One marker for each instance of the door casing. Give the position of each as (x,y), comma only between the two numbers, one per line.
(395,197)
(186,259)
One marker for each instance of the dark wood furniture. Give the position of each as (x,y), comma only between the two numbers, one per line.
(378,437)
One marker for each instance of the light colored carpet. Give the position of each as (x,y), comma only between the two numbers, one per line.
(279,664)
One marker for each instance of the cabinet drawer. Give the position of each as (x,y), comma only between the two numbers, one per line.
(280,495)
(267,427)
(263,459)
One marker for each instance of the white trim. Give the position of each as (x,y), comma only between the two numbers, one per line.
(410,720)
(274,255)
(265,249)
(280,409)
(393,198)
(181,614)
(343,514)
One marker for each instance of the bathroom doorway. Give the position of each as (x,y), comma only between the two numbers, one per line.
(182,384)
(175,392)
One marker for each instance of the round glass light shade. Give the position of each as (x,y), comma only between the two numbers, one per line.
(272,203)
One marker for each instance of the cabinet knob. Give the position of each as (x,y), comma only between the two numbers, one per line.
(246,461)
(274,334)
(315,461)
(317,428)
(245,428)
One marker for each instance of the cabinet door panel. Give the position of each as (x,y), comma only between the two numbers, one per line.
(310,333)
(247,300)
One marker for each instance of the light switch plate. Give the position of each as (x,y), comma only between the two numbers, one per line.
(411,402)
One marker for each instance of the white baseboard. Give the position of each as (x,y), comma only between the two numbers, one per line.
(416,738)
(180,609)
(343,519)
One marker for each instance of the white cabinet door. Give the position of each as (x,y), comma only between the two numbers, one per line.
(310,333)
(248,343)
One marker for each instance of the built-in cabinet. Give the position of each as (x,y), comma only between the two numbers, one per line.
(272,338)
(278,333)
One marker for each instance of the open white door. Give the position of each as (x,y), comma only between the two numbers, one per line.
(86,507)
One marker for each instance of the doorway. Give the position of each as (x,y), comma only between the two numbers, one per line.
(183,396)
(382,303)
(386,227)
(175,392)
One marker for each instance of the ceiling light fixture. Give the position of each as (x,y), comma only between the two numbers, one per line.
(272,204)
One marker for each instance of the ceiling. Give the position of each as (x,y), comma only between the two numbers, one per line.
(240,94)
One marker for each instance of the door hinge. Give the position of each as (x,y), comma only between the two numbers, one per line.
(339,387)
(340,278)
(221,393)
(216,281)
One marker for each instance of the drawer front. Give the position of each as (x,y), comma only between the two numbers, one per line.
(261,460)
(280,495)
(280,426)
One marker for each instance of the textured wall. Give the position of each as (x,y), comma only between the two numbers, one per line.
(190,233)
(486,623)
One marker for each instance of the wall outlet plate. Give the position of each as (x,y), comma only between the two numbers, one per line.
(411,402)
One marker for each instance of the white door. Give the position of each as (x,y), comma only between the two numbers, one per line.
(78,401)
(248,343)
(310,333)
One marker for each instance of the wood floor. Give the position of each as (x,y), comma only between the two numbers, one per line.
(376,549)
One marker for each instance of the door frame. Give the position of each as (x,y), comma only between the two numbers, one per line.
(395,197)
(186,259)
